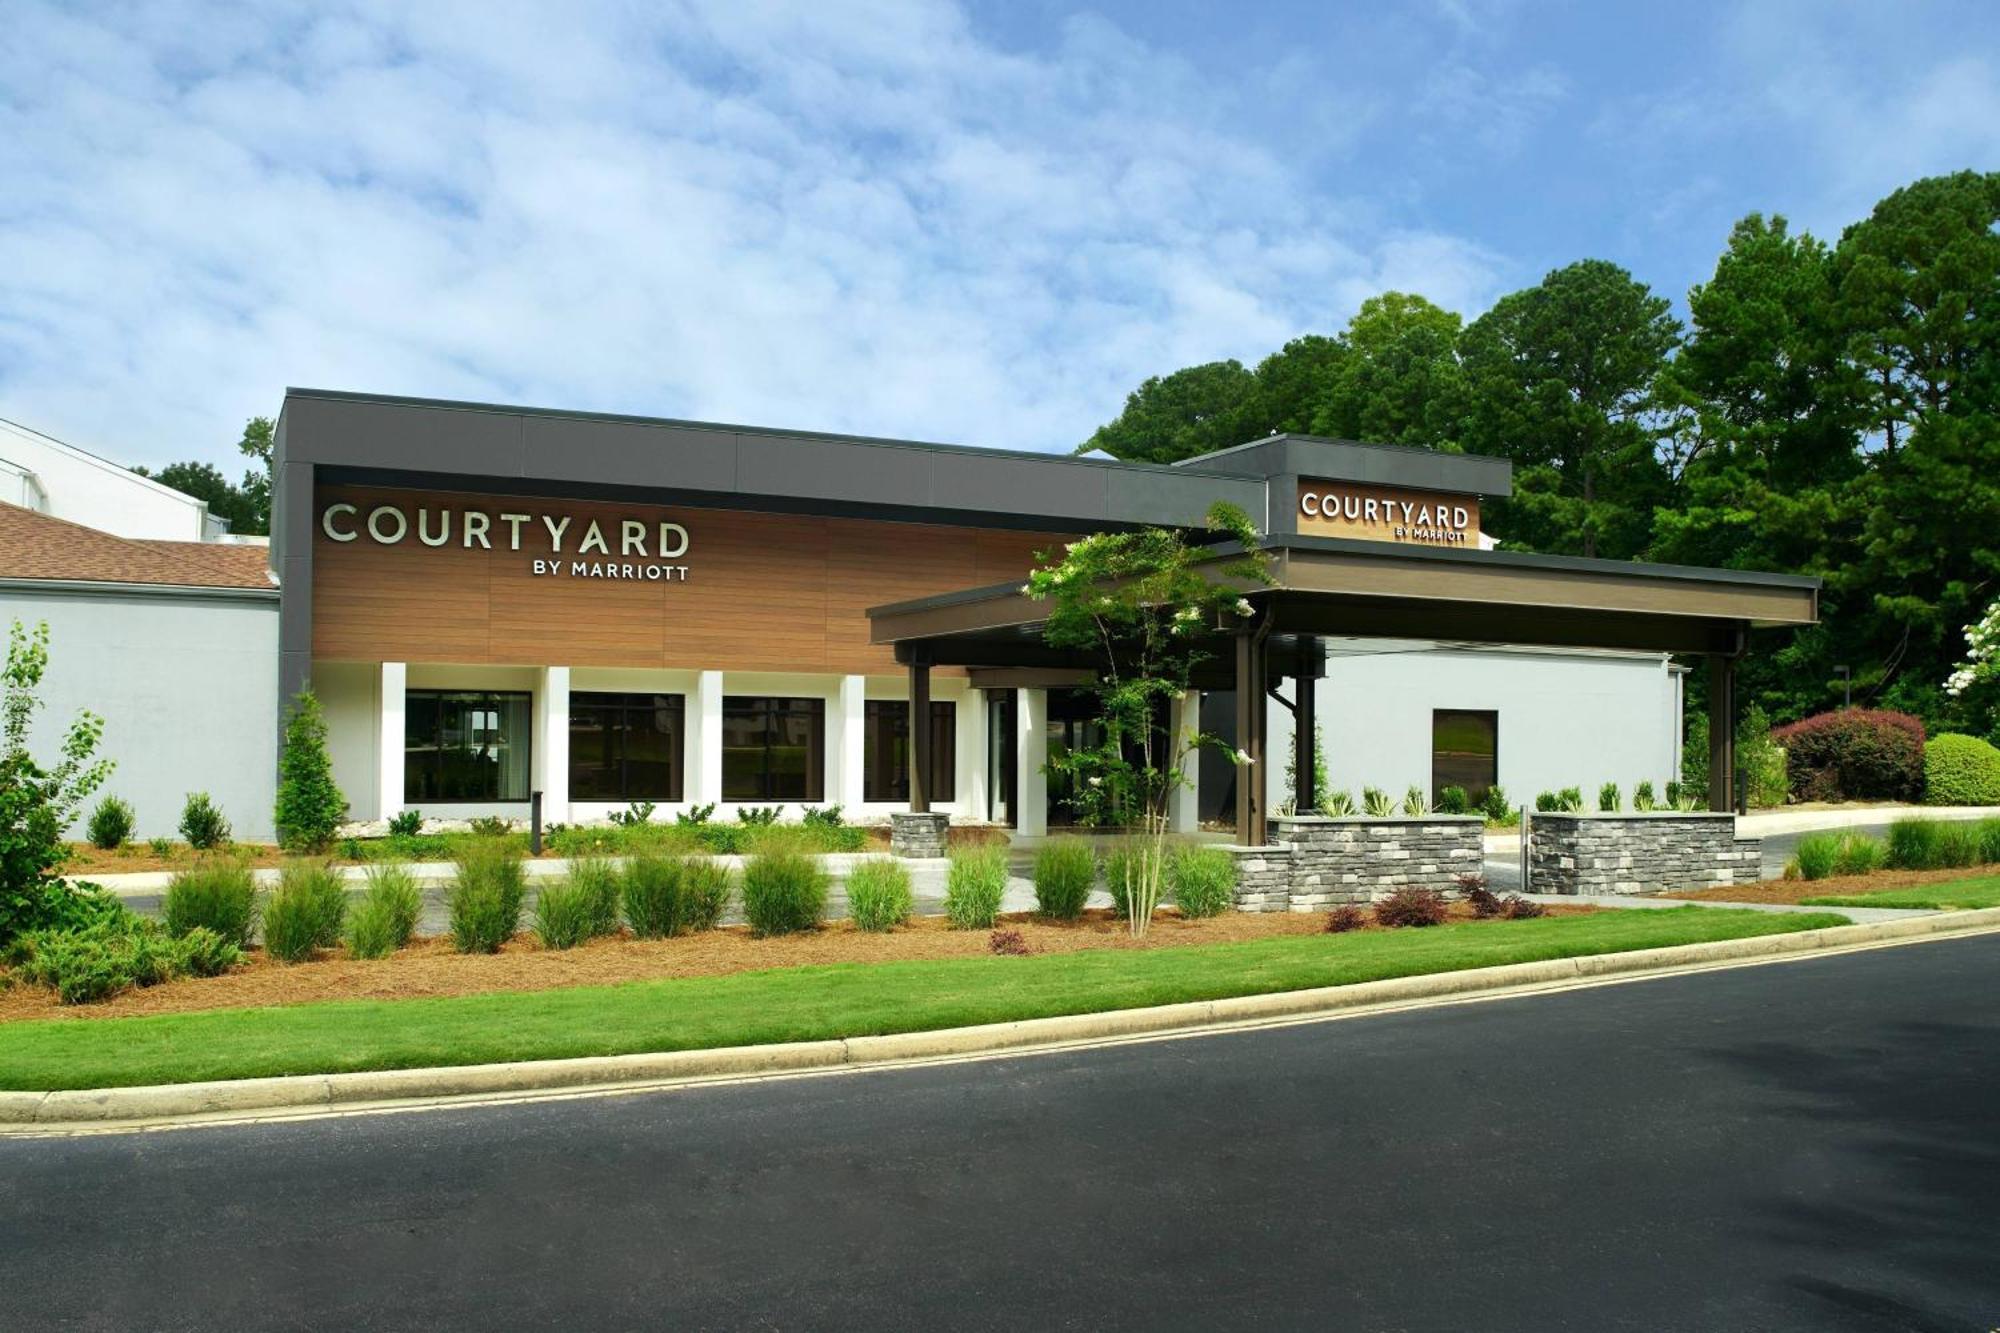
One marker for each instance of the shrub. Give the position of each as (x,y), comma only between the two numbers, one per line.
(598,879)
(695,814)
(1009,943)
(1859,855)
(203,953)
(1517,908)
(1609,801)
(305,912)
(1377,803)
(1495,805)
(491,826)
(215,893)
(202,824)
(878,893)
(784,890)
(564,911)
(634,814)
(820,816)
(1415,804)
(651,887)
(160,847)
(406,823)
(705,886)
(485,897)
(1339,804)
(758,816)
(1854,754)
(1203,880)
(310,805)
(386,915)
(1961,770)
(974,883)
(1939,844)
(1816,855)
(111,824)
(1483,901)
(1410,906)
(1822,854)
(1065,869)
(1643,798)
(1344,918)
(1454,801)
(95,962)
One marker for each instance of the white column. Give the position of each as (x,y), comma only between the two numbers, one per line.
(1184,804)
(971,779)
(1031,788)
(551,765)
(704,760)
(847,728)
(389,740)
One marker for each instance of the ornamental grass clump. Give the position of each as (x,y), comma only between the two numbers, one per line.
(1939,844)
(386,915)
(563,913)
(878,894)
(974,884)
(1202,880)
(486,895)
(1124,870)
(1065,869)
(784,889)
(217,894)
(305,912)
(598,880)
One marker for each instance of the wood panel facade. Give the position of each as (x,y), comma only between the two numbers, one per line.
(751,592)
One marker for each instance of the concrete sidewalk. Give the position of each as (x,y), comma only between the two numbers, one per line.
(1860,915)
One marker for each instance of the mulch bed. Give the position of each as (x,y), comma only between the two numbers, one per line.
(431,967)
(1834,886)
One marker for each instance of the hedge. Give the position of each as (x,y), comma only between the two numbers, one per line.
(1855,754)
(1961,770)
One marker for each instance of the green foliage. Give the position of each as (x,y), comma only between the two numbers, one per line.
(95,962)
(705,886)
(564,911)
(1454,801)
(310,805)
(406,823)
(1609,800)
(160,847)
(486,894)
(1567,801)
(975,882)
(1643,797)
(696,814)
(758,816)
(1202,880)
(878,893)
(491,826)
(1193,411)
(1495,805)
(216,893)
(203,825)
(1322,792)
(599,880)
(385,917)
(1837,853)
(1414,803)
(1961,770)
(670,895)
(38,801)
(1942,844)
(784,890)
(305,912)
(246,508)
(1376,803)
(633,815)
(820,816)
(111,824)
(1065,869)
(1338,805)
(1124,869)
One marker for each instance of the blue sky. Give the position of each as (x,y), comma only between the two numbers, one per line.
(977,223)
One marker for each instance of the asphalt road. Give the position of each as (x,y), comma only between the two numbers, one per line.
(1804,1146)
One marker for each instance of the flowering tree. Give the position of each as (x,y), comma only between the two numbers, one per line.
(37,801)
(1982,656)
(1147,608)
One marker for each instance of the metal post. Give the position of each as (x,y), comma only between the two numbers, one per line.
(1527,862)
(1305,795)
(1250,818)
(535,823)
(920,737)
(1721,732)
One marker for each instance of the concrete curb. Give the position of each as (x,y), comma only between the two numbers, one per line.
(109,1107)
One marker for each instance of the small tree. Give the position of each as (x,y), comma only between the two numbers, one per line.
(1982,654)
(1148,607)
(310,804)
(37,804)
(1322,787)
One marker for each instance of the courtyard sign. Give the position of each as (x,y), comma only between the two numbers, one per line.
(1387,514)
(627,548)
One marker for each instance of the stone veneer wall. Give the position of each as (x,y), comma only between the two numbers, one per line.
(1316,862)
(1638,853)
(918,835)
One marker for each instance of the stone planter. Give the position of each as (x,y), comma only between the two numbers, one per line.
(1653,852)
(918,835)
(1317,862)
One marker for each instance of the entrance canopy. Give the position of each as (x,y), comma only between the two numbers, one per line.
(1367,589)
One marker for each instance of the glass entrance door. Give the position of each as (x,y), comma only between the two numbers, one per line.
(1002,754)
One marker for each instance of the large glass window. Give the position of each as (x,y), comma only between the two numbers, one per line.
(466,745)
(626,747)
(773,748)
(885,751)
(1465,751)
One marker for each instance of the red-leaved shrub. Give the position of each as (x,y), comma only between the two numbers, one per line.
(1344,918)
(1009,942)
(1854,754)
(1482,900)
(1516,908)
(1412,907)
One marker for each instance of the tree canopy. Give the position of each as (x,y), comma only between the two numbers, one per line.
(1830,409)
(246,508)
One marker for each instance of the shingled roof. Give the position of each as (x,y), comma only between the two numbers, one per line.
(36,546)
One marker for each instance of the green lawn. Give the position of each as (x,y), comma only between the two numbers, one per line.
(800,1004)
(1981,891)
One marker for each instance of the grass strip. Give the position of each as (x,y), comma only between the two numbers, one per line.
(1980,891)
(805,1003)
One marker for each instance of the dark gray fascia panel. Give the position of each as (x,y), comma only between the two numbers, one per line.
(622,453)
(808,468)
(370,434)
(1348,460)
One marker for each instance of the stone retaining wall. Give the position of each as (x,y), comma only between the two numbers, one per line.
(918,835)
(1317,862)
(1638,853)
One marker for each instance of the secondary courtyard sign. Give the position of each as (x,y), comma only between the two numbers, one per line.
(559,545)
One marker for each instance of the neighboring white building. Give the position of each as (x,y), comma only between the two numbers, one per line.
(43,474)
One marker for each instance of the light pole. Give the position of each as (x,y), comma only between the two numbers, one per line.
(1846,686)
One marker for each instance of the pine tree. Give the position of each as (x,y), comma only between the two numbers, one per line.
(310,804)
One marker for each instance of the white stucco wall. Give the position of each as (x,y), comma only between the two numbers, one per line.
(65,482)
(186,685)
(1565,719)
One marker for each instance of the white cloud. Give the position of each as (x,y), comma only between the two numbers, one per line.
(819,216)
